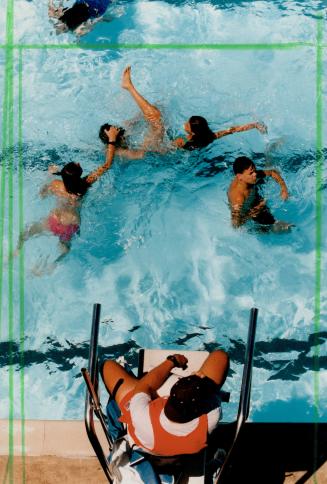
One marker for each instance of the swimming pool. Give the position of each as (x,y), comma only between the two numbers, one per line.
(156,246)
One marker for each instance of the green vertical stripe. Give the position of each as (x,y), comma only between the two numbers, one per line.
(21,260)
(10,135)
(319,179)
(3,179)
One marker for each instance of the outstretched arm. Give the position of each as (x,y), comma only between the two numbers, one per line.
(158,375)
(278,178)
(244,127)
(110,153)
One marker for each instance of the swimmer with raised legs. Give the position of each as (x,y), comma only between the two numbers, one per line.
(64,220)
(153,140)
(245,201)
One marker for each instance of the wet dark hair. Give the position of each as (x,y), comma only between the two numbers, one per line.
(202,135)
(190,397)
(71,177)
(241,164)
(74,16)
(120,140)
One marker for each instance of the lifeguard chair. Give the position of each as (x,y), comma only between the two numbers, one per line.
(208,466)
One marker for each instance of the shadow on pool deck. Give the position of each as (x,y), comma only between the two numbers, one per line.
(270,453)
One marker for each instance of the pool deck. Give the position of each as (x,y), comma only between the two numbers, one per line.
(59,451)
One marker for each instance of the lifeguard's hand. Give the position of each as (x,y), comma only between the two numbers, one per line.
(112,133)
(262,128)
(180,361)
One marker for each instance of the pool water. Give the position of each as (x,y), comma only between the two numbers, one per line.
(156,246)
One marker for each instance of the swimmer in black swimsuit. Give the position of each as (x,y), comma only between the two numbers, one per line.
(245,200)
(199,135)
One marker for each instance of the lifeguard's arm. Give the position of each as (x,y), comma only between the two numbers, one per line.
(110,153)
(157,376)
(215,367)
(244,127)
(278,178)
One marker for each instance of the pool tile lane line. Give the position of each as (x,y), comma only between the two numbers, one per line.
(319,209)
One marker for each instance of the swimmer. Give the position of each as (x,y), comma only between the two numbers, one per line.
(245,200)
(80,17)
(199,135)
(64,221)
(153,140)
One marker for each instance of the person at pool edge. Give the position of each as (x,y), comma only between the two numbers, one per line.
(199,135)
(245,200)
(64,220)
(80,17)
(179,423)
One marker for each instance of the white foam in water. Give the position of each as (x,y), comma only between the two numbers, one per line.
(156,247)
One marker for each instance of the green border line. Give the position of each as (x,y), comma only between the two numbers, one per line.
(109,46)
(10,135)
(8,160)
(21,262)
(318,255)
(8,154)
(3,185)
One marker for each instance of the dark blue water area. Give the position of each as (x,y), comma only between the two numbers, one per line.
(71,356)
(283,369)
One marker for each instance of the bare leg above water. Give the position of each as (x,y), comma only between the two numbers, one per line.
(151,113)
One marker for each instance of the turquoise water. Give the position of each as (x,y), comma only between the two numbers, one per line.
(156,247)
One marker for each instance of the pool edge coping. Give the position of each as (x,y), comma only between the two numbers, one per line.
(61,438)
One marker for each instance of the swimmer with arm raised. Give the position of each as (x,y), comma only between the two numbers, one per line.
(245,200)
(199,135)
(198,132)
(64,220)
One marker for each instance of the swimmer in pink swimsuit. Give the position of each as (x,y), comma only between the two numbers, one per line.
(64,220)
(64,232)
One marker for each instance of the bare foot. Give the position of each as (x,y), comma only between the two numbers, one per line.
(126,82)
